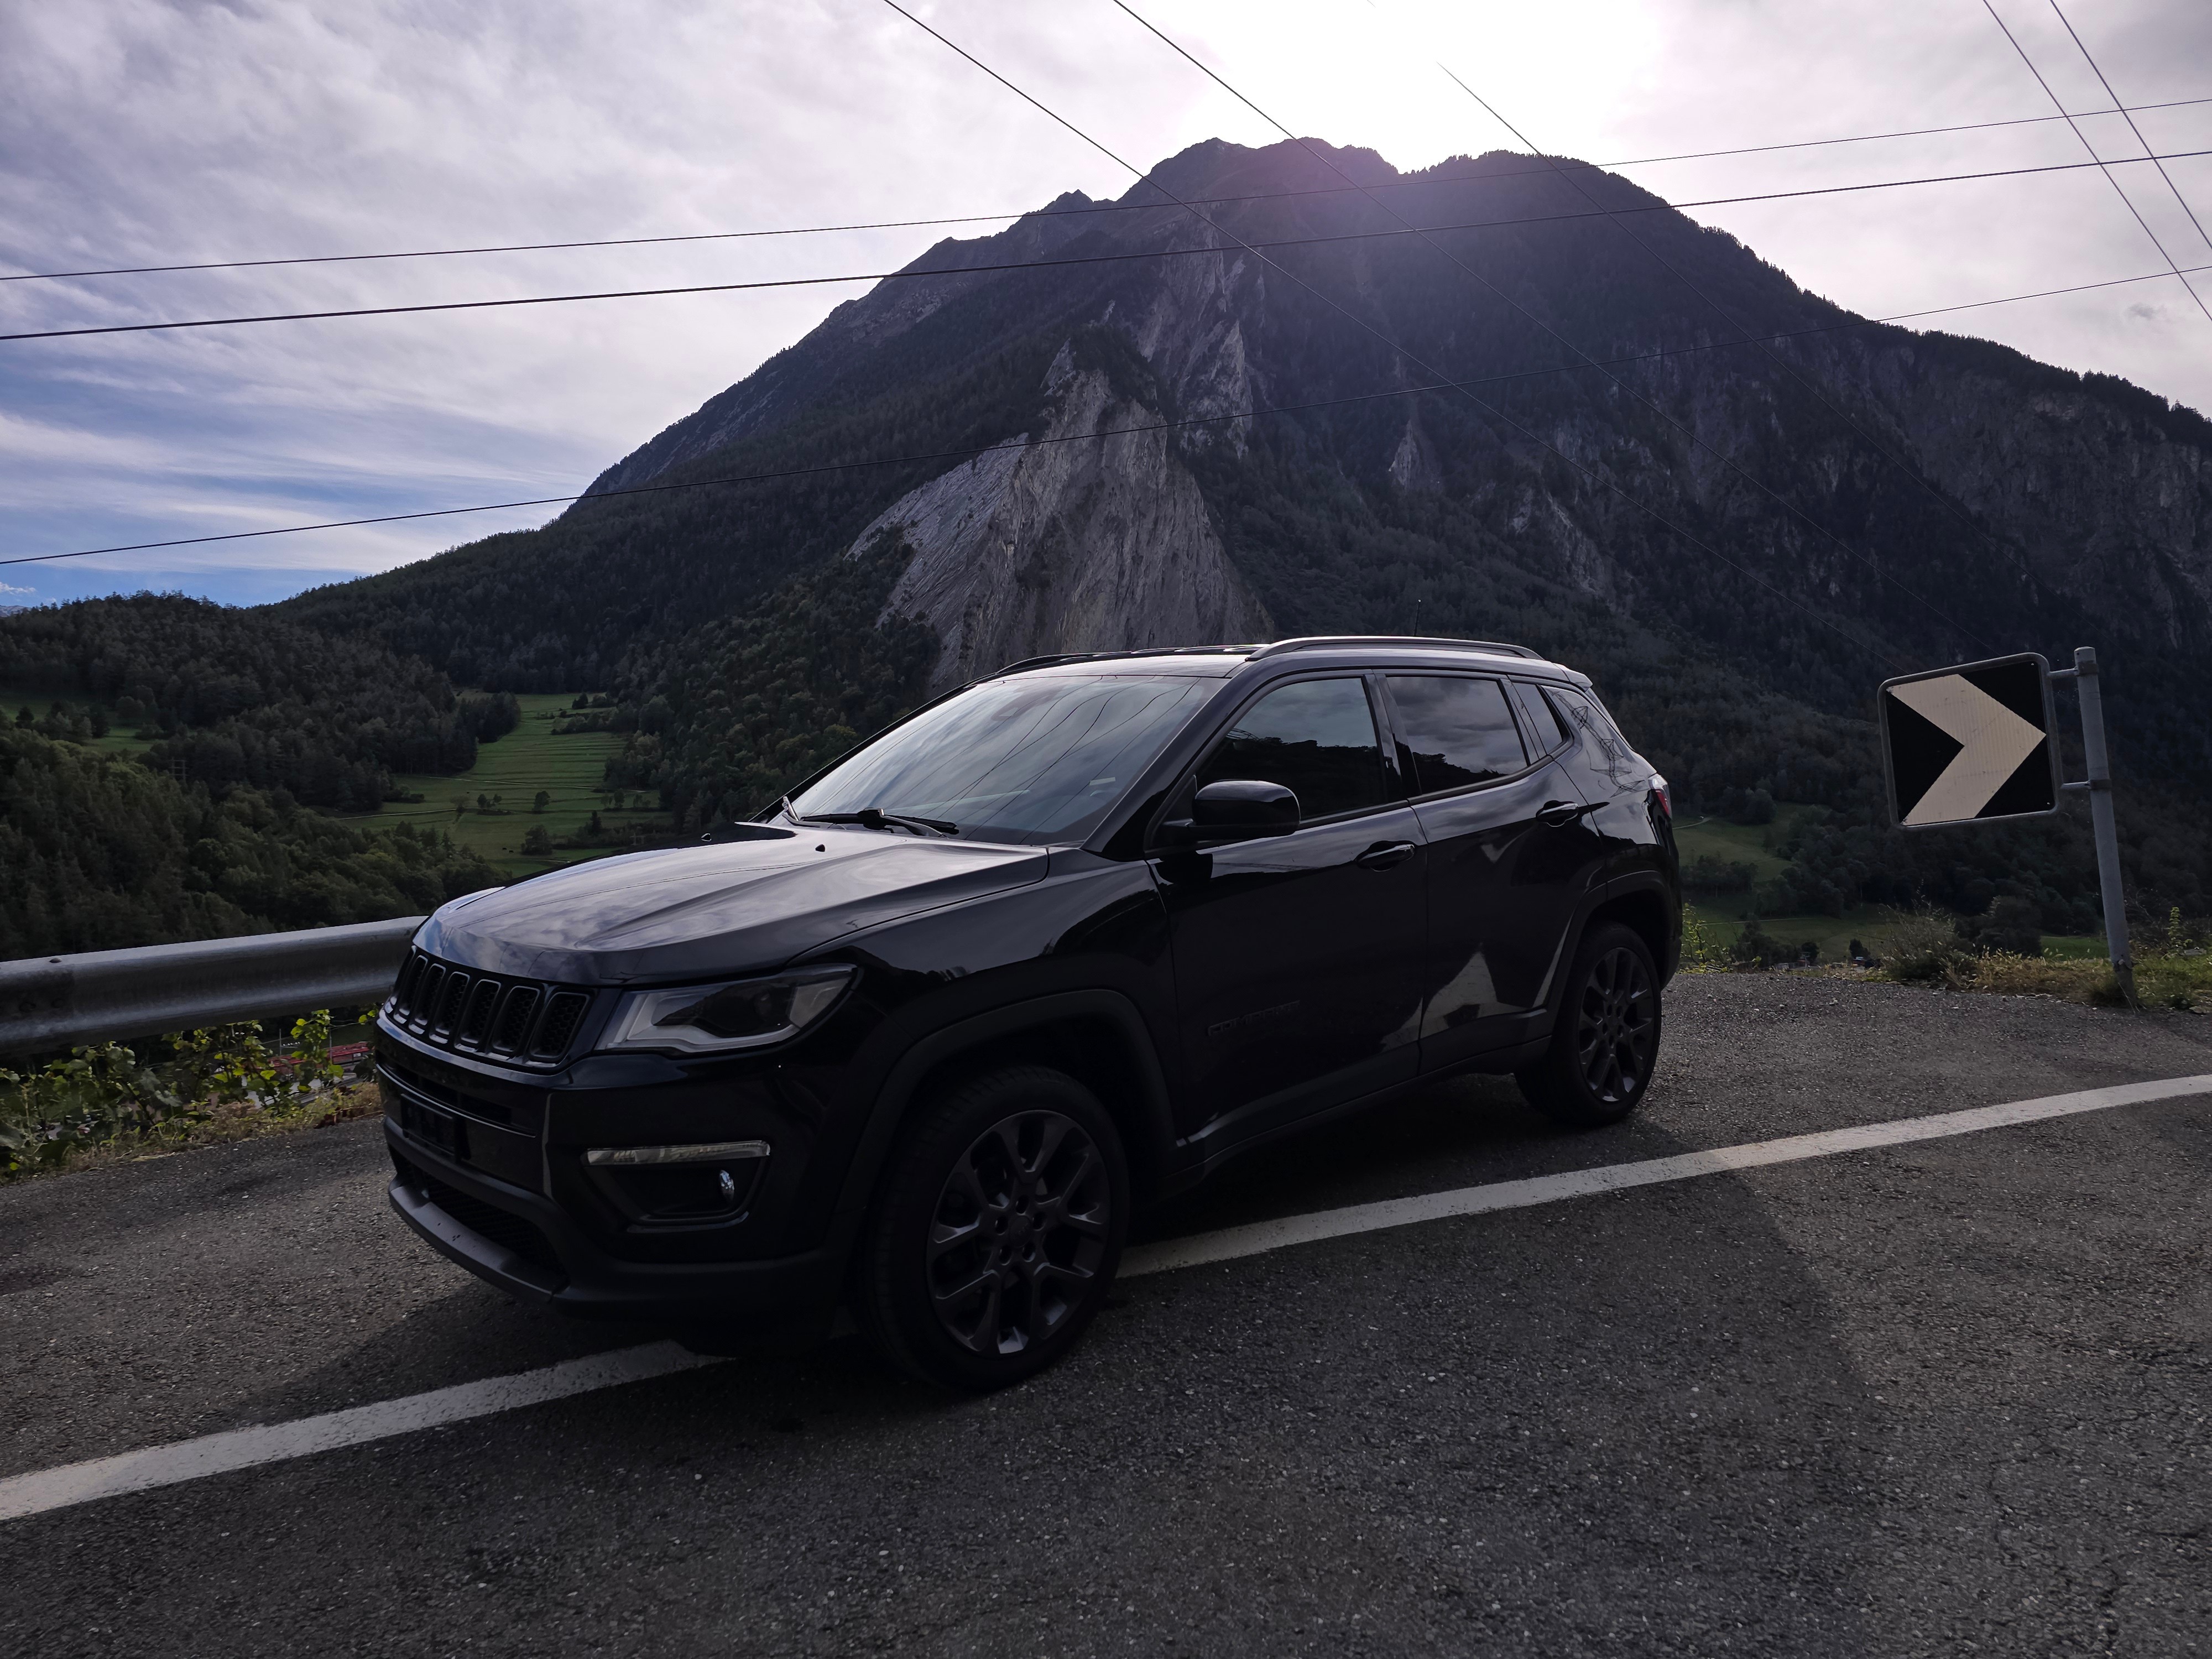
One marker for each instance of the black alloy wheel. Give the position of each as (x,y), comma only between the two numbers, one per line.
(1607,1043)
(1617,1027)
(1019,1233)
(998,1230)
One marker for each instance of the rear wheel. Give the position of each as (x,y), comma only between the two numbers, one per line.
(1607,1043)
(998,1230)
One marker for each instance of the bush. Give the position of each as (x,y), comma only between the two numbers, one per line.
(1701,953)
(104,1093)
(1757,948)
(1922,948)
(2013,925)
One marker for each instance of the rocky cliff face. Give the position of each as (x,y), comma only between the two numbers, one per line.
(1068,542)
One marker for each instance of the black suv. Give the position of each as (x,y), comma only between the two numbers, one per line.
(1056,944)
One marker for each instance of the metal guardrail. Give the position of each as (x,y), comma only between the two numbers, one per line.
(53,1002)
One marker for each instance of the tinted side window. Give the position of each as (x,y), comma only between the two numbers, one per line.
(1607,749)
(1544,725)
(1457,731)
(1316,738)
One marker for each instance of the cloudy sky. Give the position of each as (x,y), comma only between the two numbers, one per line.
(139,132)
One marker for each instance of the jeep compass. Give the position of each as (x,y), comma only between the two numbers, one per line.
(918,1040)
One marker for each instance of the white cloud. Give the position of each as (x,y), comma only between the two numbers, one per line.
(142,131)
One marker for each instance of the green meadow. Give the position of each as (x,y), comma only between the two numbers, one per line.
(489,808)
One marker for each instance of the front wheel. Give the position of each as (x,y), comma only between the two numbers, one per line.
(998,1231)
(1606,1042)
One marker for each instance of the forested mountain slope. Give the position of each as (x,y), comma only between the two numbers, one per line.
(98,852)
(238,697)
(1738,540)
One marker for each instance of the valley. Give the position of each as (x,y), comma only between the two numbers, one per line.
(489,809)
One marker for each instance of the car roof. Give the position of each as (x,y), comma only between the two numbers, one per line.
(1317,651)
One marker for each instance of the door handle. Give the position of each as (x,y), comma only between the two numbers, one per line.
(1385,856)
(1561,813)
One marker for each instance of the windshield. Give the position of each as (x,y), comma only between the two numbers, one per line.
(1035,758)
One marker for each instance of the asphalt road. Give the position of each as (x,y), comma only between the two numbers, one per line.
(1947,1397)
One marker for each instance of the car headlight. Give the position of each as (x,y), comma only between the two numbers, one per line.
(709,1019)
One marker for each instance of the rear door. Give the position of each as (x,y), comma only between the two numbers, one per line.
(1507,858)
(1297,958)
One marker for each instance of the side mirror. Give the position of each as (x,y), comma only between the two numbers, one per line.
(1239,809)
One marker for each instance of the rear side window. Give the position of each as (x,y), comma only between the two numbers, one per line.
(1455,732)
(1606,749)
(1544,724)
(1315,738)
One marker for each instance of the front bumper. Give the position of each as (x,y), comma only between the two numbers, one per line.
(524,1244)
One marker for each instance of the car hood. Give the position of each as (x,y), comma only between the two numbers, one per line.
(726,907)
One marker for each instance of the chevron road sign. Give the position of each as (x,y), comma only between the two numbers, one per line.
(1976,743)
(1970,744)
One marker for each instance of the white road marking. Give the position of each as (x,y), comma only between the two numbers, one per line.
(243,1449)
(1263,1236)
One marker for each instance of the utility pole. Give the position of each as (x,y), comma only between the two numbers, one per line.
(2100,786)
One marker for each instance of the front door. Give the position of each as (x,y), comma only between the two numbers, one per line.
(1506,848)
(1298,957)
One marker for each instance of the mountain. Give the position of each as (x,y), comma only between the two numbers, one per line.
(1739,540)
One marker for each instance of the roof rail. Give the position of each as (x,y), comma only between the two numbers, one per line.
(1323,641)
(1115,656)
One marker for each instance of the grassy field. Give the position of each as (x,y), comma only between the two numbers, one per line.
(1743,844)
(510,772)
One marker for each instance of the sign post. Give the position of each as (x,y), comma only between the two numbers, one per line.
(1972,743)
(2100,786)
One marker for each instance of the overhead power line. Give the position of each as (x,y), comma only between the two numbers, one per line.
(1110,432)
(1661,206)
(2083,49)
(1050,213)
(1916,132)
(2103,165)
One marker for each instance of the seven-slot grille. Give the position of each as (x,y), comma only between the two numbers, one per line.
(458,1008)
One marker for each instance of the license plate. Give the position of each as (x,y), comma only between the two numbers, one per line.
(436,1128)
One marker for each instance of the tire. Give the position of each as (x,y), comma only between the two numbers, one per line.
(997,1232)
(1606,1045)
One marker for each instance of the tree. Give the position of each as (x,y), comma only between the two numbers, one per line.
(543,800)
(536,842)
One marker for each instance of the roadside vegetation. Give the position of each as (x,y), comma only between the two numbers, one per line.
(2172,968)
(2000,953)
(110,1102)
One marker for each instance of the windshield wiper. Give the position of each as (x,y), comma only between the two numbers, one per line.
(874,817)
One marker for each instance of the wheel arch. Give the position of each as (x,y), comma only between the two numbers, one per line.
(1096,1037)
(1647,909)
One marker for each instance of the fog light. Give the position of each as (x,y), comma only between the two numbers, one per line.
(703,1184)
(708,1151)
